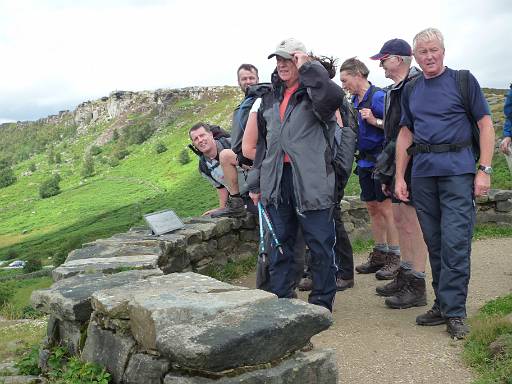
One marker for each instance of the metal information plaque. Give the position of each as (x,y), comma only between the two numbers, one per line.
(163,221)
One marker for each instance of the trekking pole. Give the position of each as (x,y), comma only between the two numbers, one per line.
(277,244)
(262,251)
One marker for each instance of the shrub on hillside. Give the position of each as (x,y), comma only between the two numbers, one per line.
(11,254)
(88,166)
(6,177)
(184,156)
(32,265)
(6,292)
(58,158)
(138,133)
(50,187)
(160,147)
(120,154)
(95,150)
(59,258)
(32,167)
(113,162)
(115,135)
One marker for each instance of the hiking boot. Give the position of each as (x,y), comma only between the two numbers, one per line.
(342,284)
(235,207)
(394,286)
(412,294)
(305,284)
(456,327)
(376,260)
(431,317)
(390,269)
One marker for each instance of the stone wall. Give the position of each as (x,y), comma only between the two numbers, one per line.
(495,208)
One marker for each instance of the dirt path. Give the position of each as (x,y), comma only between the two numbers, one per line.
(376,344)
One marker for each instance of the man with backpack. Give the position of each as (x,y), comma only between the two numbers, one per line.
(208,142)
(232,159)
(441,118)
(296,178)
(369,101)
(408,288)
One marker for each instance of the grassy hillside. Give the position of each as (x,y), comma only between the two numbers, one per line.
(120,191)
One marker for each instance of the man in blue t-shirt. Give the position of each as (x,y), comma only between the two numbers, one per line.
(444,182)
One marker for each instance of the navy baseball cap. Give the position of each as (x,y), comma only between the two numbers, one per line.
(397,47)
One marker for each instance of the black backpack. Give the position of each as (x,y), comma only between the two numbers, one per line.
(462,78)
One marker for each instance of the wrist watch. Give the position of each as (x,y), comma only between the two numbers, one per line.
(485,169)
(379,123)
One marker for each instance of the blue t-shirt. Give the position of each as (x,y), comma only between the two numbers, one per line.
(370,138)
(435,113)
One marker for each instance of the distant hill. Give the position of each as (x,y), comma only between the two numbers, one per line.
(129,178)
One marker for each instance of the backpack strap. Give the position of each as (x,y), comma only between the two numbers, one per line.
(462,77)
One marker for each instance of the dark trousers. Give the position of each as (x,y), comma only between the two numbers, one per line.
(446,213)
(319,235)
(343,248)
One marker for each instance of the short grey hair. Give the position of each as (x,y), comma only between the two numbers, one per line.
(407,60)
(428,34)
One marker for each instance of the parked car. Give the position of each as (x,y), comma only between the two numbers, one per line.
(16,264)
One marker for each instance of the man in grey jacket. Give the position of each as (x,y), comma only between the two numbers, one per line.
(296,181)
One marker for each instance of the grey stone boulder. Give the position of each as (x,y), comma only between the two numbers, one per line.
(70,299)
(108,349)
(104,265)
(22,380)
(500,195)
(188,292)
(147,369)
(184,299)
(314,367)
(246,335)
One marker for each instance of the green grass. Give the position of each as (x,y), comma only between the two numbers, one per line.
(488,326)
(232,270)
(491,231)
(19,305)
(18,337)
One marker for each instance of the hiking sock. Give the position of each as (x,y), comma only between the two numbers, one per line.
(395,249)
(405,265)
(419,275)
(381,247)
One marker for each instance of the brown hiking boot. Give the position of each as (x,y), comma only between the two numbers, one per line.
(412,294)
(376,260)
(235,207)
(390,269)
(305,284)
(456,327)
(342,284)
(393,287)
(432,317)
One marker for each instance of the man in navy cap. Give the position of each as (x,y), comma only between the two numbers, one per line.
(408,287)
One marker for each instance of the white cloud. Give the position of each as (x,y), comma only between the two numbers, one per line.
(56,54)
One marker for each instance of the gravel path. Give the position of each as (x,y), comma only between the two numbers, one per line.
(377,344)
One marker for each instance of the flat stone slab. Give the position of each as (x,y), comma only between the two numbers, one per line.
(104,265)
(70,299)
(246,335)
(111,248)
(315,367)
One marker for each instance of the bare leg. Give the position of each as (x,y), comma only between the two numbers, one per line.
(412,245)
(228,161)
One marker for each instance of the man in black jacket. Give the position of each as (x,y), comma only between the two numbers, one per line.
(408,287)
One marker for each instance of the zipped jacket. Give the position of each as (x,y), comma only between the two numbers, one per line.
(300,135)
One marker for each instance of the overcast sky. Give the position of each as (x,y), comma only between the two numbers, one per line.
(56,54)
